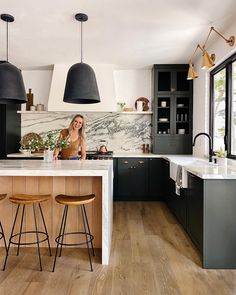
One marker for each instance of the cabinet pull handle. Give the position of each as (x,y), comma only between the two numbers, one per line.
(141,162)
(126,162)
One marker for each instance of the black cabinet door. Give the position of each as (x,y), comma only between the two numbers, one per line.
(182,208)
(10,129)
(195,210)
(155,179)
(131,179)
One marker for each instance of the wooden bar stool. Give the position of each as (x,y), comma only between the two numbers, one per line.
(2,235)
(74,201)
(27,199)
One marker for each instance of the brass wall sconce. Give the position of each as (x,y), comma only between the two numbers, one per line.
(207,60)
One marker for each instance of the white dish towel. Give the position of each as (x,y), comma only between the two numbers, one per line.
(178,181)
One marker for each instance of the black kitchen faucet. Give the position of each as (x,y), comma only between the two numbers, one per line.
(210,153)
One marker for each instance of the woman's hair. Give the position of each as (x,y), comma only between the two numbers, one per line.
(81,130)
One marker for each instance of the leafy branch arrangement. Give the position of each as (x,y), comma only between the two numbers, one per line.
(48,143)
(221,153)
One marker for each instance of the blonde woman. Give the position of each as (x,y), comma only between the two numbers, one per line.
(76,138)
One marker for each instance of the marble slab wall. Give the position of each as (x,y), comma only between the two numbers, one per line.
(123,132)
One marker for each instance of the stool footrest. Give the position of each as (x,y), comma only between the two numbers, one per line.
(90,238)
(29,243)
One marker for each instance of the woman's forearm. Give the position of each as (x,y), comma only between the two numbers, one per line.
(83,152)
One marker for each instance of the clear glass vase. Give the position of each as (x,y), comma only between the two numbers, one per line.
(48,155)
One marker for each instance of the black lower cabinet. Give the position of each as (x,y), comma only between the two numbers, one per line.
(195,210)
(131,179)
(176,203)
(138,179)
(155,180)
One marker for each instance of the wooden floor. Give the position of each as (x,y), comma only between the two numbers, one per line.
(151,254)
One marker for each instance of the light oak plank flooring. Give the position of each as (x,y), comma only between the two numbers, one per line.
(151,254)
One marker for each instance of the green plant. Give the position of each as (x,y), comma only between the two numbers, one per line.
(221,153)
(51,143)
(32,145)
(121,104)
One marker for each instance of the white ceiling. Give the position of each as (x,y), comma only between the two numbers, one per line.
(128,33)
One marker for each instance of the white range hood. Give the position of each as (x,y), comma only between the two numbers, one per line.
(105,81)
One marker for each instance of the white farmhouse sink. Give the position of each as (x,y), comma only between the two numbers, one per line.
(175,162)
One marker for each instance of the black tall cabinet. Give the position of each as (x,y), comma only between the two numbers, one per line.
(172,112)
(10,129)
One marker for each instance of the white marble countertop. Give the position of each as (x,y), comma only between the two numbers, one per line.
(24,155)
(103,168)
(195,165)
(55,168)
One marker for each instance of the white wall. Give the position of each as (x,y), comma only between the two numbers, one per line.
(201,87)
(105,81)
(39,81)
(132,84)
(114,85)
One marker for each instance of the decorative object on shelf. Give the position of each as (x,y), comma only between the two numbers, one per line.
(40,107)
(30,100)
(81,85)
(121,105)
(128,109)
(180,105)
(163,104)
(145,103)
(207,60)
(33,108)
(12,89)
(163,119)
(139,106)
(181,131)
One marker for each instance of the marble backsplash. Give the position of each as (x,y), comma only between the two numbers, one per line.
(123,132)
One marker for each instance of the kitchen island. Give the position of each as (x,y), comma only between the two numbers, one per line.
(62,177)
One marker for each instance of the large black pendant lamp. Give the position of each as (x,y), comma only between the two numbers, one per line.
(81,85)
(12,89)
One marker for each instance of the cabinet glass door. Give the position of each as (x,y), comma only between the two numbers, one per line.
(164,81)
(182,84)
(163,105)
(182,115)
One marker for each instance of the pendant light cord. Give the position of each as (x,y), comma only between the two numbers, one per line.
(7,41)
(81,42)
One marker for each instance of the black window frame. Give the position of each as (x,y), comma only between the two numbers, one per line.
(227,64)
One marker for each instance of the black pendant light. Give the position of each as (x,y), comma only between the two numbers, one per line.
(81,85)
(12,89)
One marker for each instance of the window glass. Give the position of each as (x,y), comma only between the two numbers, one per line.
(219,95)
(233,111)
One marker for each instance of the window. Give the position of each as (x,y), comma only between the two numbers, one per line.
(233,111)
(223,106)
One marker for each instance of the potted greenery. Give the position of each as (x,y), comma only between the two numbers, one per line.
(30,146)
(221,156)
(121,106)
(49,145)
